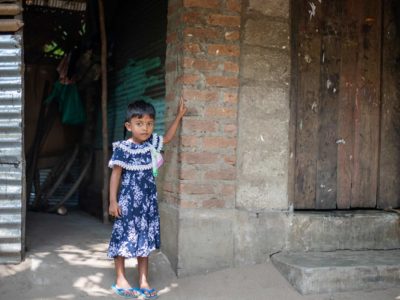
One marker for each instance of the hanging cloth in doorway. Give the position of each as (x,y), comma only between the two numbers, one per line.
(69,103)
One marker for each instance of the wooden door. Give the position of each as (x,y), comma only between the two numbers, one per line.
(337,97)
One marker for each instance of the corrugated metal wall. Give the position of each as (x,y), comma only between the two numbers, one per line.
(139,51)
(12,165)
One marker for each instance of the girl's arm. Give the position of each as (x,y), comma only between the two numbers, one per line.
(174,126)
(114,210)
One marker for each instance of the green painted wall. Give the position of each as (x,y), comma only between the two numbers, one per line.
(140,79)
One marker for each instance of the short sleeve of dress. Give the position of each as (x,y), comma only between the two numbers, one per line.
(118,157)
(157,141)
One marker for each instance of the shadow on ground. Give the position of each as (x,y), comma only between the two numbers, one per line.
(66,259)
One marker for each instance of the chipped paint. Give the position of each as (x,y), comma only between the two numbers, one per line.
(314,106)
(312,10)
(307,58)
(340,141)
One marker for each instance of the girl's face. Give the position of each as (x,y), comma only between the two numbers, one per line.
(141,128)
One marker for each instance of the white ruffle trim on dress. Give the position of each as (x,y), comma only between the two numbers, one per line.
(160,144)
(129,167)
(126,148)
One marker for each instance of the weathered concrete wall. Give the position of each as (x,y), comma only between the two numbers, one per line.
(263,220)
(258,235)
(211,198)
(223,207)
(341,230)
(263,142)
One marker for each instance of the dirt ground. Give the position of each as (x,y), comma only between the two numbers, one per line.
(66,259)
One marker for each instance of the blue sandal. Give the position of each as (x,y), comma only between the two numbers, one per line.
(149,293)
(133,293)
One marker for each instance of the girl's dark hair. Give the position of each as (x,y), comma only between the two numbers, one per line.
(138,109)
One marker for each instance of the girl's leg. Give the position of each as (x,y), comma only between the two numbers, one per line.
(143,269)
(121,281)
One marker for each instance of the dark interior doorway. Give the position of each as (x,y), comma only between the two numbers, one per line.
(62,40)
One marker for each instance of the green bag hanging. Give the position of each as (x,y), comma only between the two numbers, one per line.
(69,103)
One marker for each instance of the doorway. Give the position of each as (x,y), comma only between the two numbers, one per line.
(345,104)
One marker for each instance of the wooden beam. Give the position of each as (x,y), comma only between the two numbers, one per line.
(308,102)
(10,9)
(10,25)
(103,36)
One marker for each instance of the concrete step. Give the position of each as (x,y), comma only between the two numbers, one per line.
(339,271)
(343,230)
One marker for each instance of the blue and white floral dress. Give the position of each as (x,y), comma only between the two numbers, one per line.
(137,232)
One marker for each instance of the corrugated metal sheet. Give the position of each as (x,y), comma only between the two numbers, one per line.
(11,161)
(62,4)
(131,83)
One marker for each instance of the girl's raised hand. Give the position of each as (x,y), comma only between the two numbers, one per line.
(182,109)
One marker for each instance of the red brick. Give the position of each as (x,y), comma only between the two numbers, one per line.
(170,67)
(172,37)
(194,95)
(191,47)
(198,157)
(222,81)
(170,96)
(230,98)
(199,64)
(231,67)
(202,33)
(234,5)
(220,112)
(232,35)
(189,204)
(213,203)
(196,189)
(189,174)
(230,159)
(189,141)
(193,18)
(202,3)
(173,7)
(187,79)
(228,190)
(199,126)
(168,186)
(219,142)
(205,65)
(224,50)
(221,174)
(223,20)
(230,129)
(188,62)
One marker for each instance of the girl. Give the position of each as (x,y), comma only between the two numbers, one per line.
(136,230)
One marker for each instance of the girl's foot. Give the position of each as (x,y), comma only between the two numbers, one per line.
(149,293)
(127,293)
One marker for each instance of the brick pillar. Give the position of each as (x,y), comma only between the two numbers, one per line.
(198,194)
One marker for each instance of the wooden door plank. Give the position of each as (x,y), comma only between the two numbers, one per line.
(367,105)
(328,110)
(308,87)
(345,130)
(389,168)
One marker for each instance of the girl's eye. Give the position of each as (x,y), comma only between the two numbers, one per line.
(139,124)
